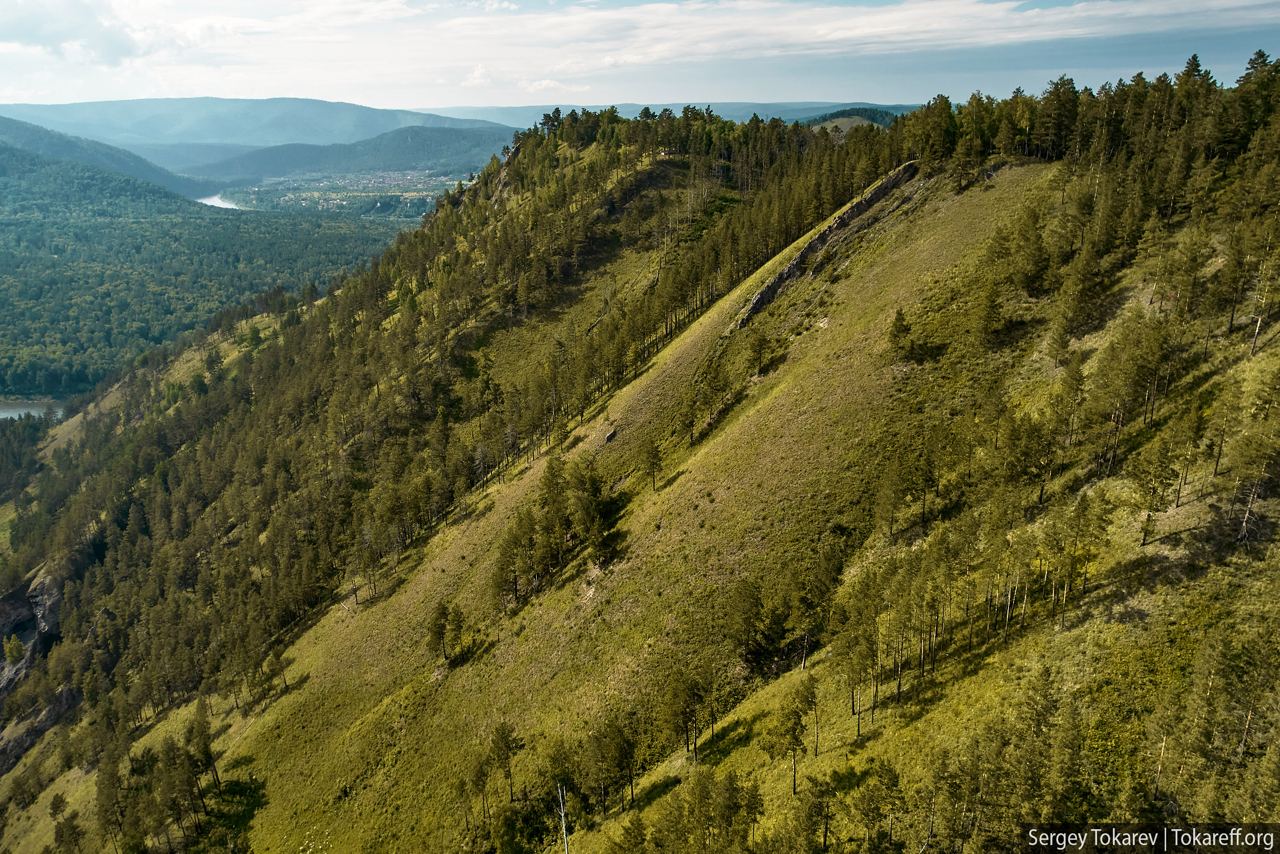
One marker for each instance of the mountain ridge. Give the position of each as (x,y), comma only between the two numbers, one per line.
(741,111)
(523,533)
(58,146)
(414,148)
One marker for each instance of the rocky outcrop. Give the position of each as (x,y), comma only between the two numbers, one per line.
(45,596)
(862,205)
(17,618)
(15,612)
(20,737)
(31,612)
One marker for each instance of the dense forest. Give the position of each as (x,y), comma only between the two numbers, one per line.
(96,267)
(289,460)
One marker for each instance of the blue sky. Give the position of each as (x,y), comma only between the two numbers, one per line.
(417,53)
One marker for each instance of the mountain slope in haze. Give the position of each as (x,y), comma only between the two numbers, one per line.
(181,156)
(97,266)
(738,111)
(59,146)
(689,486)
(451,151)
(237,121)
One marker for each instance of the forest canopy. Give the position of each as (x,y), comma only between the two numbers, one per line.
(96,267)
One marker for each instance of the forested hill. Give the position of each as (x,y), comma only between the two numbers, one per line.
(853,115)
(96,267)
(682,485)
(449,151)
(57,146)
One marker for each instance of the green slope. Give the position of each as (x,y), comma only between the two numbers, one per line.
(534,506)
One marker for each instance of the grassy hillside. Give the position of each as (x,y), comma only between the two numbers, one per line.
(451,151)
(699,486)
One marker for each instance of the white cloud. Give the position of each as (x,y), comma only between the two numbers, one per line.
(397,51)
(478,78)
(546,85)
(582,40)
(77,30)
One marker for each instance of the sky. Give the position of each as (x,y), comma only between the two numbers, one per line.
(419,53)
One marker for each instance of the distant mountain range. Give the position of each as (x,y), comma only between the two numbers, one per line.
(233,121)
(57,146)
(738,111)
(434,149)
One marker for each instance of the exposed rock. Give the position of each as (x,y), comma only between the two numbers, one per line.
(15,612)
(11,674)
(866,202)
(20,737)
(45,596)
(30,611)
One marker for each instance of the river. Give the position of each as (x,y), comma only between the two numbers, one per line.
(218,202)
(13,407)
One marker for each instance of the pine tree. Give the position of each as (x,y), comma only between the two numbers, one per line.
(900,337)
(1153,474)
(199,740)
(503,747)
(786,731)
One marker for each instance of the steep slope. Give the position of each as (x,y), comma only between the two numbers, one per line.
(238,121)
(605,200)
(760,490)
(57,146)
(673,451)
(452,151)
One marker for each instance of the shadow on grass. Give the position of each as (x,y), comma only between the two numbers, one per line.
(269,693)
(849,778)
(231,812)
(651,793)
(727,739)
(236,764)
(472,651)
(670,479)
